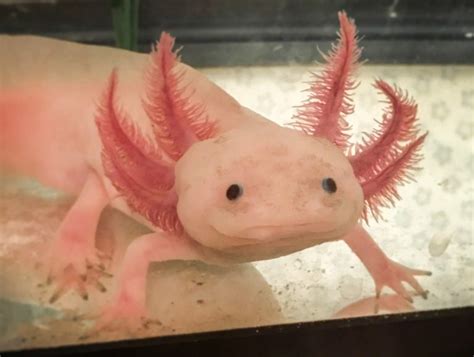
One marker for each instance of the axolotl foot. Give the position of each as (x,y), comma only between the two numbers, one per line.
(74,265)
(384,271)
(393,275)
(72,258)
(123,313)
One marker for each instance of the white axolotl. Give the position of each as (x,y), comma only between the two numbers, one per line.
(215,181)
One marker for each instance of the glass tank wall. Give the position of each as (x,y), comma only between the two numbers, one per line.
(262,53)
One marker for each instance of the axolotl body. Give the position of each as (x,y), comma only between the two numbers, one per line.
(215,181)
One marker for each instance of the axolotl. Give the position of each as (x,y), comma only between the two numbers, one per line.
(215,181)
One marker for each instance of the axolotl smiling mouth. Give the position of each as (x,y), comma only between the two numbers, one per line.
(284,231)
(266,183)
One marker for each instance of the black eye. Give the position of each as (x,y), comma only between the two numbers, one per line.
(329,185)
(234,191)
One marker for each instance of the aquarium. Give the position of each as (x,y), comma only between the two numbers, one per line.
(141,198)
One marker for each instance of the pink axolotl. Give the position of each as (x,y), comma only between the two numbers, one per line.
(215,181)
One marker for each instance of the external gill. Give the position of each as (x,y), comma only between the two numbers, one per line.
(388,156)
(323,113)
(142,170)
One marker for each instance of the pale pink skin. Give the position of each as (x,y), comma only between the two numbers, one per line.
(48,132)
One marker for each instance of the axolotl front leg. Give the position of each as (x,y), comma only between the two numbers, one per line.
(383,270)
(128,304)
(74,262)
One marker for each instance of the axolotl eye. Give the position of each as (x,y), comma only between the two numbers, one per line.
(329,185)
(234,191)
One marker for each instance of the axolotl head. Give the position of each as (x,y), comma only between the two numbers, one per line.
(263,184)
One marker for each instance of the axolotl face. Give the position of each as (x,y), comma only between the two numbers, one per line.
(265,191)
